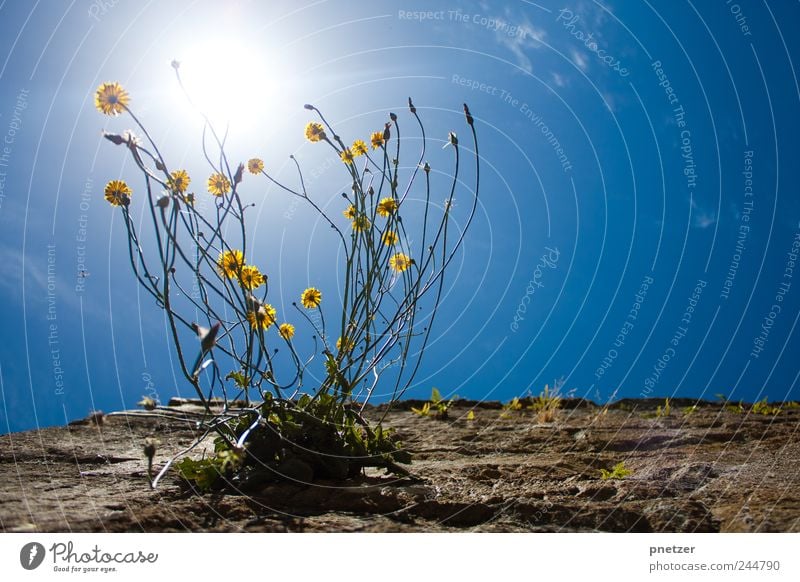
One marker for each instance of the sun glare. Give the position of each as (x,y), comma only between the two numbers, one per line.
(227,80)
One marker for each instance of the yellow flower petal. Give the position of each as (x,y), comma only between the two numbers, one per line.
(311,298)
(111,99)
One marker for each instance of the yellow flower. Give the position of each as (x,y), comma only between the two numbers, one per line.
(255,166)
(311,298)
(345,346)
(118,193)
(359,148)
(347,156)
(400,262)
(389,238)
(218,184)
(251,277)
(387,206)
(377,139)
(350,212)
(314,131)
(179,181)
(111,99)
(262,318)
(230,263)
(286,330)
(361,223)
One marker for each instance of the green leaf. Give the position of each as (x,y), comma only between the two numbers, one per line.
(424,411)
(239,379)
(203,472)
(618,472)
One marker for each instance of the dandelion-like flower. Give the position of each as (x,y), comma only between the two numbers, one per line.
(250,277)
(359,148)
(389,238)
(311,298)
(350,212)
(314,131)
(218,184)
(255,166)
(387,206)
(111,99)
(230,263)
(399,262)
(361,223)
(376,139)
(347,156)
(286,330)
(179,181)
(118,193)
(263,317)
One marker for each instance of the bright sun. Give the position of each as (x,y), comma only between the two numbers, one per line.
(226,83)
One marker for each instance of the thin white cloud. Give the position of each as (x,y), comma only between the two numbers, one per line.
(558,80)
(11,284)
(702,218)
(580,60)
(524,37)
(34,268)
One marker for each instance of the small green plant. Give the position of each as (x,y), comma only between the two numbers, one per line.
(425,410)
(618,472)
(547,404)
(439,405)
(728,406)
(737,408)
(791,405)
(313,436)
(512,405)
(291,401)
(689,410)
(471,415)
(660,411)
(763,407)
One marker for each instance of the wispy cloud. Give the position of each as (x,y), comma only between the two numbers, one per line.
(520,36)
(558,80)
(702,218)
(579,59)
(15,268)
(33,267)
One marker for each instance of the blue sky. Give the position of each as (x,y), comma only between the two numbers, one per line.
(638,218)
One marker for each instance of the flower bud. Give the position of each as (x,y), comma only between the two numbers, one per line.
(114,138)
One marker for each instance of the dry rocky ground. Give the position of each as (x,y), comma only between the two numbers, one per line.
(712,470)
